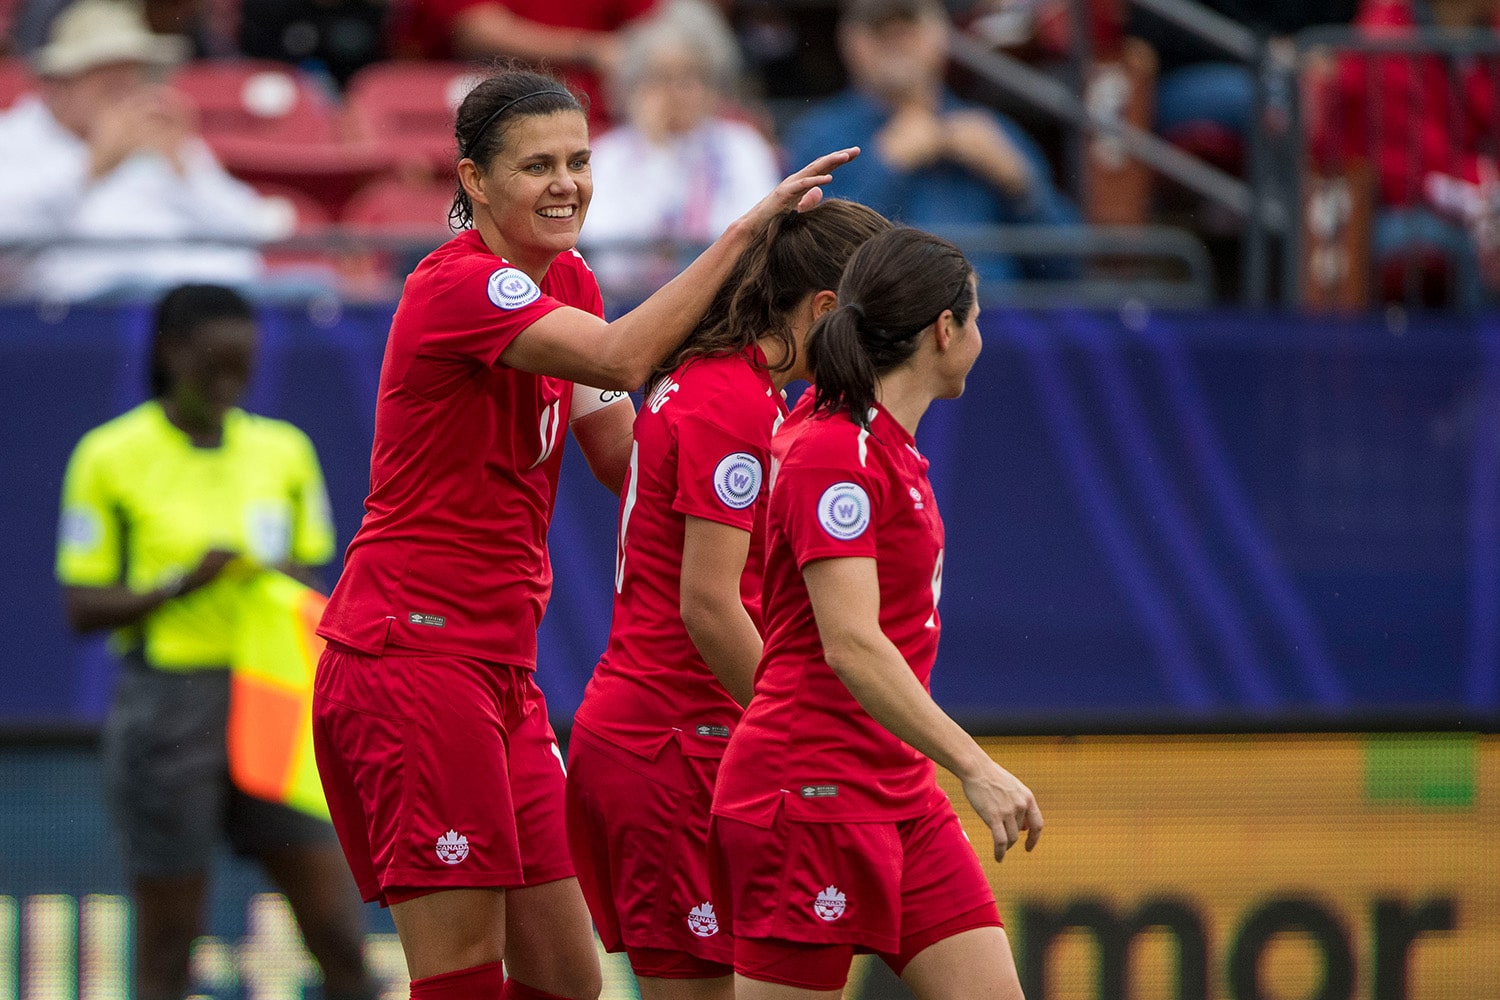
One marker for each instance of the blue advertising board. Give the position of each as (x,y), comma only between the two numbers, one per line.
(1173,519)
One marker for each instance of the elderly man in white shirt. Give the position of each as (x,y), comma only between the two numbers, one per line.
(105,154)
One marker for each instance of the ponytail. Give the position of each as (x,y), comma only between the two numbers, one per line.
(843,374)
(896,285)
(799,254)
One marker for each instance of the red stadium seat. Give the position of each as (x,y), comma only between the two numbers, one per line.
(15,81)
(271,124)
(407,108)
(252,98)
(413,214)
(306,215)
(401,207)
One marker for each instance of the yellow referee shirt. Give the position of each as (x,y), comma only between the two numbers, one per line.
(141,505)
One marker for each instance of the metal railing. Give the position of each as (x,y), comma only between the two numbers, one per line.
(1158,265)
(1268,215)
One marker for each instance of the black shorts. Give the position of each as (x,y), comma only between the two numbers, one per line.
(166,777)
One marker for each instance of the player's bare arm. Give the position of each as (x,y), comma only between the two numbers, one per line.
(845,596)
(713,558)
(571,343)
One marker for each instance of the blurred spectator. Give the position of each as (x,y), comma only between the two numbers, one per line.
(110,156)
(677,171)
(207,25)
(929,159)
(578,38)
(1198,84)
(1042,30)
(333,37)
(1428,128)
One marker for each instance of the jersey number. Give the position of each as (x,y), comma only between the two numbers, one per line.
(937,588)
(627,504)
(551,429)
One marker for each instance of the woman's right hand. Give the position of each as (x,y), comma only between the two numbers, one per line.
(800,191)
(1005,805)
(208,568)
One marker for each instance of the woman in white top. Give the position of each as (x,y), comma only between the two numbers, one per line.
(678,171)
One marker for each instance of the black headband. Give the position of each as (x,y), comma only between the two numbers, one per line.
(506,107)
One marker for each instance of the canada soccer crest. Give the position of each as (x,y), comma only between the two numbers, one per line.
(452,847)
(830,904)
(702,921)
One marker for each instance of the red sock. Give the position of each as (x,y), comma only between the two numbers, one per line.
(520,991)
(482,982)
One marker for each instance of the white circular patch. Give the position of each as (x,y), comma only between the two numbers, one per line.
(79,528)
(844,510)
(512,289)
(737,480)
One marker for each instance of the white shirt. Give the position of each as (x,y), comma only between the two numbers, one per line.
(689,188)
(46,193)
(685,191)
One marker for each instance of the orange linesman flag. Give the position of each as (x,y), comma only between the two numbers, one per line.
(271,687)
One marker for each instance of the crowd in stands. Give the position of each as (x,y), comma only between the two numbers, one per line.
(240,122)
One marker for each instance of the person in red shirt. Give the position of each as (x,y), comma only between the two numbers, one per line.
(580,36)
(685,637)
(1429,129)
(441,769)
(830,834)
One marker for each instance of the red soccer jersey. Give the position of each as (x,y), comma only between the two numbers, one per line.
(702,448)
(452,553)
(837,491)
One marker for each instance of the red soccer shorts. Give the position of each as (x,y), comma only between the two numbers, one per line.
(441,772)
(639,833)
(876,886)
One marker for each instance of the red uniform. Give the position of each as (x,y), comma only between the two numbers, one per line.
(443,588)
(654,719)
(827,828)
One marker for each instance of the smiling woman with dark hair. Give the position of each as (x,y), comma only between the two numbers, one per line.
(441,769)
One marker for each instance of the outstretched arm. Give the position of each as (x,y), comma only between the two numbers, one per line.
(571,343)
(845,595)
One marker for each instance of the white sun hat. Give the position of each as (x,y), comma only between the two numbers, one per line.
(93,33)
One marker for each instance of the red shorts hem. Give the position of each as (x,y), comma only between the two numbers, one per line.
(663,963)
(419,878)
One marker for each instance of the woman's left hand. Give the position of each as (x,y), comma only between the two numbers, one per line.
(1005,805)
(800,191)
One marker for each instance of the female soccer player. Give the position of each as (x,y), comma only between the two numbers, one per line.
(157,503)
(830,834)
(442,773)
(685,637)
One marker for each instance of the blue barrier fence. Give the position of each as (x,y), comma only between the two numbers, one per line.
(1177,519)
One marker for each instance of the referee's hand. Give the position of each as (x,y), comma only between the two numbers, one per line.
(1005,805)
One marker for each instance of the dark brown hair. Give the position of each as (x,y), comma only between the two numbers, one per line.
(800,253)
(486,114)
(895,286)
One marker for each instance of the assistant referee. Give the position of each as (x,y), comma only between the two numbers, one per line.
(164,509)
